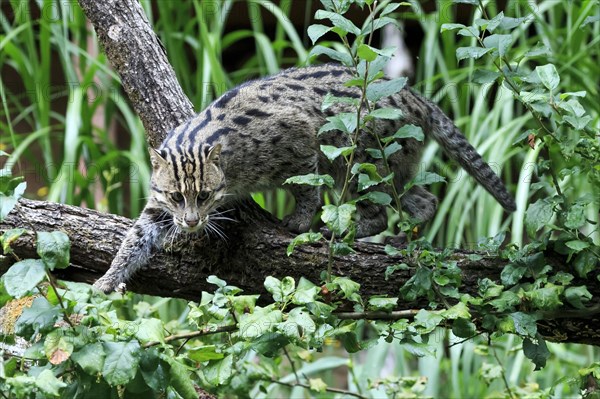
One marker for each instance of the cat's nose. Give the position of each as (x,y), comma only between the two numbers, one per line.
(192,222)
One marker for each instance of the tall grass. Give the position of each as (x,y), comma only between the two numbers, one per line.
(68,141)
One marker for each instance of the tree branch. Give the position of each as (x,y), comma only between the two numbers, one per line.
(256,248)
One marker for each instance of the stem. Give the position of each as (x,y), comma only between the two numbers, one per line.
(503,373)
(376,315)
(291,364)
(330,258)
(60,300)
(334,390)
(194,334)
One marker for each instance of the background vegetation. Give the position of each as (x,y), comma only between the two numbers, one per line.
(70,131)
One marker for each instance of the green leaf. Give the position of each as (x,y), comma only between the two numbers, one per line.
(339,21)
(538,215)
(90,358)
(585,262)
(317,385)
(219,372)
(9,237)
(589,20)
(306,292)
(205,352)
(312,179)
(365,181)
(391,149)
(525,324)
(253,325)
(379,90)
(577,245)
(387,113)
(315,31)
(471,52)
(460,310)
(463,328)
(212,279)
(548,76)
(338,218)
(8,202)
(384,304)
(302,239)
(37,318)
(507,301)
(154,370)
(426,178)
(58,347)
(390,8)
(537,352)
(298,324)
(484,76)
(54,249)
(376,197)
(332,152)
(499,42)
(508,23)
(180,378)
(121,362)
(578,123)
(446,27)
(406,132)
(366,52)
(578,296)
(342,249)
(469,31)
(512,274)
(149,330)
(348,287)
(417,285)
(427,320)
(494,22)
(275,287)
(22,277)
(547,298)
(344,58)
(344,122)
(48,383)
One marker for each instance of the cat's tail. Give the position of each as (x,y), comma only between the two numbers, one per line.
(443,130)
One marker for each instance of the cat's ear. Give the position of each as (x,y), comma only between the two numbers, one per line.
(157,158)
(213,153)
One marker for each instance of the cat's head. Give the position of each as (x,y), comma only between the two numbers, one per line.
(188,185)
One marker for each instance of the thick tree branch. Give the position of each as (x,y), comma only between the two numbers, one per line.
(139,57)
(256,248)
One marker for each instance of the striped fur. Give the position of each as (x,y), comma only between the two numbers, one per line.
(258,134)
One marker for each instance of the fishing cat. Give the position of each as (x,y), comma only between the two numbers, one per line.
(259,134)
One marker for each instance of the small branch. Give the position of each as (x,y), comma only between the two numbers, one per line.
(194,334)
(291,364)
(333,390)
(377,315)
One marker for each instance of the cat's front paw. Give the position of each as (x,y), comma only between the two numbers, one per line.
(297,223)
(108,285)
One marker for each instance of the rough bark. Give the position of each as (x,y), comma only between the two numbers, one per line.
(139,58)
(256,248)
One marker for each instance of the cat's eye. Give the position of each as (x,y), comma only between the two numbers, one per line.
(177,196)
(203,195)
